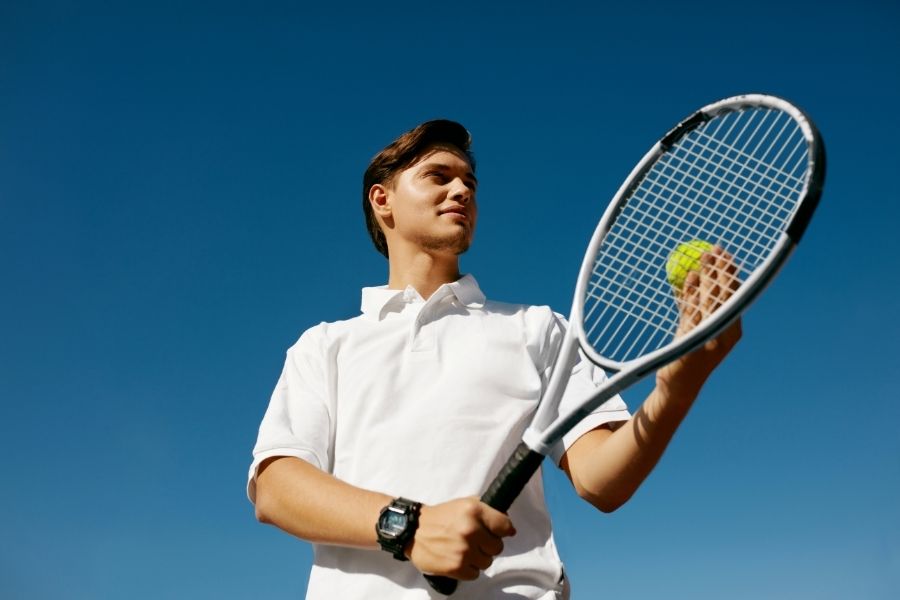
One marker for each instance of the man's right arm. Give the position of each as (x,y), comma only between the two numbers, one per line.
(459,538)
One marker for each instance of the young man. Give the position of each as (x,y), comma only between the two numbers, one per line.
(384,429)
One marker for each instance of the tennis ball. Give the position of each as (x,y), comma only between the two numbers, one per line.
(684,259)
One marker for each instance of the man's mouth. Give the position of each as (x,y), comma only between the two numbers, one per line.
(456,210)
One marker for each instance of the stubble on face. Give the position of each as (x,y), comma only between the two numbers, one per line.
(456,242)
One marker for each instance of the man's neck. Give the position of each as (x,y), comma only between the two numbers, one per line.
(423,271)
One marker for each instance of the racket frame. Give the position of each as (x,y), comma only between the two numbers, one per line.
(547,427)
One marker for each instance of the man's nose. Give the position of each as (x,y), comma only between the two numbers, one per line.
(460,191)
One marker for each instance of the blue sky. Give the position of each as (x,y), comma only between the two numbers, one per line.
(179,199)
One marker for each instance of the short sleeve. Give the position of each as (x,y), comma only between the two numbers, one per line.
(297,421)
(585,378)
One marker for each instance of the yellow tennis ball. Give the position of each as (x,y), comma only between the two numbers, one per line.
(684,259)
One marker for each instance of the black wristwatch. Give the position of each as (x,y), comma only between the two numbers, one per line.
(397,525)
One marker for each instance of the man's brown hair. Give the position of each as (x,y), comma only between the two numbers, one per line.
(404,151)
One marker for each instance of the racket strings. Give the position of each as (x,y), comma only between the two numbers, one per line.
(740,175)
(638,300)
(765,211)
(655,320)
(734,181)
(756,217)
(771,217)
(767,179)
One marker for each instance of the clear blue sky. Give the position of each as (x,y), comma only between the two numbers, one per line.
(179,200)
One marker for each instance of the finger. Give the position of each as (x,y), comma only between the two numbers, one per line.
(712,301)
(708,269)
(729,268)
(689,299)
(481,561)
(689,303)
(710,288)
(466,573)
(690,287)
(725,273)
(491,545)
(496,522)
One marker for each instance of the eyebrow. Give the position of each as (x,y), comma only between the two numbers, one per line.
(444,167)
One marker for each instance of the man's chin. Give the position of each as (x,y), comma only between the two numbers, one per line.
(464,247)
(452,246)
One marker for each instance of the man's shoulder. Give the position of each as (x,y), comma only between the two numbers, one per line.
(537,316)
(514,308)
(323,333)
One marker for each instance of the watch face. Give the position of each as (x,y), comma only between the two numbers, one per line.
(393,523)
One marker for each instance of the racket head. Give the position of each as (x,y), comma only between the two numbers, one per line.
(745,173)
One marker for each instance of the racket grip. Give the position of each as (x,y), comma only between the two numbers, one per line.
(442,585)
(505,488)
(512,478)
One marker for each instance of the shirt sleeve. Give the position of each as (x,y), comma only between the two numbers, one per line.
(297,421)
(584,379)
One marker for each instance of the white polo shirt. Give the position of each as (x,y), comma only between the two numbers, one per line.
(426,400)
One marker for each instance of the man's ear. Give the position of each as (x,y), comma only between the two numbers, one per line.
(380,200)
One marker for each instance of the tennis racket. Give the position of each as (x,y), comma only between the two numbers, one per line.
(744,173)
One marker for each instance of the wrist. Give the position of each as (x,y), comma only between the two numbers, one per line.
(679,384)
(396,526)
(674,397)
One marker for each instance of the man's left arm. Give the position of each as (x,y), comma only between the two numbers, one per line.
(607,466)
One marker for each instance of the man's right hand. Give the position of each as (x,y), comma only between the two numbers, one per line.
(459,538)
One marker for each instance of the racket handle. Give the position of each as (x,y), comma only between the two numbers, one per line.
(512,478)
(442,585)
(505,488)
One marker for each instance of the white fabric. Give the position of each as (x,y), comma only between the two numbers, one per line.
(426,400)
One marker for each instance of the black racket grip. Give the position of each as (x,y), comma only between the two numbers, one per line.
(512,478)
(442,585)
(505,488)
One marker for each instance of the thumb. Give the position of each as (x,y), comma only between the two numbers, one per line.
(496,522)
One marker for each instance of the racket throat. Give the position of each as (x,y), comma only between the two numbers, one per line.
(548,410)
(533,439)
(542,439)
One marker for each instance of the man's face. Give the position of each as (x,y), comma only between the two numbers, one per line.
(433,204)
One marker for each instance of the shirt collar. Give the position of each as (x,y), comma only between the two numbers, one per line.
(376,299)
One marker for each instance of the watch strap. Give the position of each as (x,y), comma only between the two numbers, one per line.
(396,545)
